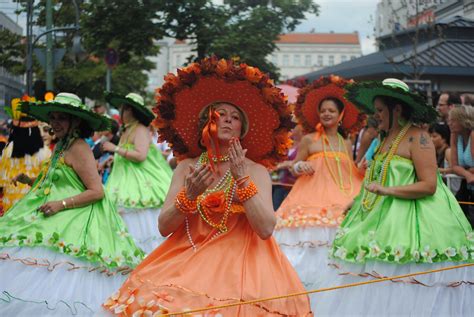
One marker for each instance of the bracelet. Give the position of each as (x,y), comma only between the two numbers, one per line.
(116,148)
(247,192)
(184,204)
(242,180)
(64,204)
(73,205)
(297,167)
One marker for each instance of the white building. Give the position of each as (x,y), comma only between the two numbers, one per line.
(296,54)
(398,15)
(10,86)
(301,53)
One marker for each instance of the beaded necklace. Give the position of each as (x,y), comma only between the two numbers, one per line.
(226,185)
(369,199)
(224,158)
(340,183)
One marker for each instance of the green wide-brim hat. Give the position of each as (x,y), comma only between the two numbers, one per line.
(134,100)
(362,94)
(68,103)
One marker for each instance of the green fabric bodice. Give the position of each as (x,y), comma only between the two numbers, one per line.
(429,229)
(139,185)
(95,233)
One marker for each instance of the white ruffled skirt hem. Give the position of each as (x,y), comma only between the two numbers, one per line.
(306,248)
(447,293)
(40,282)
(142,225)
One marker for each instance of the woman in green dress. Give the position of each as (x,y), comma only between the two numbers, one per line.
(404,220)
(140,175)
(64,246)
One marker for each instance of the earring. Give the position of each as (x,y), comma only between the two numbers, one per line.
(75,133)
(51,131)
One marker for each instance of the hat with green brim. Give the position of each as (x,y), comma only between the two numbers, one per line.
(132,99)
(362,94)
(68,103)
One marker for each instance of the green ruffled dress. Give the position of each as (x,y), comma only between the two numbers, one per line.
(139,190)
(425,230)
(141,185)
(398,237)
(94,233)
(65,264)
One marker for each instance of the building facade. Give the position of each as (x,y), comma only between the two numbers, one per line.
(296,54)
(399,15)
(300,53)
(11,86)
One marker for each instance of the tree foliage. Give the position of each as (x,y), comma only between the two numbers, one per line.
(246,29)
(104,24)
(12,52)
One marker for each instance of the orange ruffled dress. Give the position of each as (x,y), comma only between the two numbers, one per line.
(317,200)
(196,268)
(311,213)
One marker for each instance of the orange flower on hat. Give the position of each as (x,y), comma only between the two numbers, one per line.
(222,67)
(215,202)
(253,74)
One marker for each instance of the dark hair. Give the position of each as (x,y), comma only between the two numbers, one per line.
(339,104)
(85,130)
(441,129)
(114,127)
(391,102)
(137,114)
(453,97)
(25,141)
(340,108)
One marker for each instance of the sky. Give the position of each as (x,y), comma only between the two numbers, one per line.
(343,16)
(340,16)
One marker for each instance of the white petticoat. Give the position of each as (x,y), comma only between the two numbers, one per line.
(39,282)
(142,225)
(306,248)
(447,293)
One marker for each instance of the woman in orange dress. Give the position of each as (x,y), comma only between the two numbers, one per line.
(327,181)
(218,212)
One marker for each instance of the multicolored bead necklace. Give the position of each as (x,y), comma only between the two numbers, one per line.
(226,185)
(339,182)
(369,199)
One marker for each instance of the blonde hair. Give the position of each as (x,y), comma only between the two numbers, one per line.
(464,115)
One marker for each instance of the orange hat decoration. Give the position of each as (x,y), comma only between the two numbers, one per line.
(311,96)
(182,98)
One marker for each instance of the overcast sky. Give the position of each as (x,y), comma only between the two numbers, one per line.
(345,16)
(342,16)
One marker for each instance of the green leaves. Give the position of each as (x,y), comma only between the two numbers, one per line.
(12,52)
(244,29)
